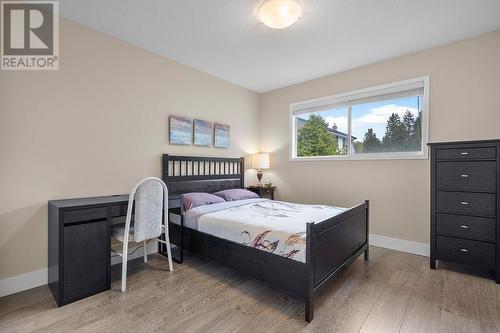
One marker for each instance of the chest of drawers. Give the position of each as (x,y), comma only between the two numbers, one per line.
(465,203)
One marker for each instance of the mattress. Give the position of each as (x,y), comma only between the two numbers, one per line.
(276,227)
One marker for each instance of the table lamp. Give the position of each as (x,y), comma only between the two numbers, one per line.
(260,161)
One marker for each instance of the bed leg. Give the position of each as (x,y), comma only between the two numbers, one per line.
(309,310)
(367,253)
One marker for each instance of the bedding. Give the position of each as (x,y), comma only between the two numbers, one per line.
(195,199)
(236,194)
(274,226)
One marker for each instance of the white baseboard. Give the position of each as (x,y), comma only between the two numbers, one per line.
(421,249)
(22,282)
(38,278)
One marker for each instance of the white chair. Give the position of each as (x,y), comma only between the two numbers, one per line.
(150,197)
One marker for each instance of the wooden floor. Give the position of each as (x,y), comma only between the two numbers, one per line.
(393,292)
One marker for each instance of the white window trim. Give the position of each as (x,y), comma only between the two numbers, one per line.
(357,94)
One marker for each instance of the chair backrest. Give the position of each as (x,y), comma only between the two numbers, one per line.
(150,196)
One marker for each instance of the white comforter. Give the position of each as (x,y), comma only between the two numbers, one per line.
(273,226)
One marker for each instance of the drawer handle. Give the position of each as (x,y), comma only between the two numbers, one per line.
(464,153)
(464,250)
(464,203)
(464,175)
(463,226)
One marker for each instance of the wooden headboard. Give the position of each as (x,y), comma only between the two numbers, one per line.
(184,174)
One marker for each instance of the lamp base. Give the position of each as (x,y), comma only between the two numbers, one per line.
(259,176)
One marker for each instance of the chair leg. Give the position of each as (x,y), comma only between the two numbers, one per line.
(169,254)
(124,266)
(145,252)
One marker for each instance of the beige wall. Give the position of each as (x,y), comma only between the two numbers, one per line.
(464,105)
(96,127)
(99,124)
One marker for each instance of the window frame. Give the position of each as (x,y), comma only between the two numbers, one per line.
(343,98)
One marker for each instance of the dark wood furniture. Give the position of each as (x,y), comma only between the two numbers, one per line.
(331,244)
(263,191)
(465,188)
(79,244)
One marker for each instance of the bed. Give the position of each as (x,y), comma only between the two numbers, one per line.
(298,257)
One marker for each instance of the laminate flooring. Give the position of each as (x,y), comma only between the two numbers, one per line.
(392,292)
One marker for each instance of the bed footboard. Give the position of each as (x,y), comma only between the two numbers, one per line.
(331,245)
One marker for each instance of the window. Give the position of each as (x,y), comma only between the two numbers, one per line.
(384,122)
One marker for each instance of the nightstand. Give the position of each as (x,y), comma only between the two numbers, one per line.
(263,191)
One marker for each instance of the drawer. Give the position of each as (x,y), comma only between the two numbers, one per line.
(466,251)
(481,153)
(121,210)
(466,176)
(480,228)
(118,210)
(80,215)
(466,203)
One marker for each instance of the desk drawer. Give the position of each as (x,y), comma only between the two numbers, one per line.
(461,154)
(118,210)
(480,228)
(466,203)
(466,251)
(466,176)
(80,215)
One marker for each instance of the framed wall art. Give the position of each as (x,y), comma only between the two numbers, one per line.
(181,130)
(202,132)
(221,135)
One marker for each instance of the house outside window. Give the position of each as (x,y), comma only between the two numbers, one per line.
(383,122)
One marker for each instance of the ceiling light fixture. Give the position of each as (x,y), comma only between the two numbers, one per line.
(279,14)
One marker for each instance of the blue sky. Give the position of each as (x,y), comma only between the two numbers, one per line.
(369,115)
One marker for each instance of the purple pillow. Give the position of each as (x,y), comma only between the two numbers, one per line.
(236,194)
(196,199)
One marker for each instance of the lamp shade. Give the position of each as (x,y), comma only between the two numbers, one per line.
(260,161)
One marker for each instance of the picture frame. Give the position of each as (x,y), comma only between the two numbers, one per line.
(222,138)
(202,132)
(181,130)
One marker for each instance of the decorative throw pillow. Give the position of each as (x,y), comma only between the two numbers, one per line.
(236,194)
(195,199)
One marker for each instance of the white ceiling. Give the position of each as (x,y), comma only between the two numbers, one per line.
(224,38)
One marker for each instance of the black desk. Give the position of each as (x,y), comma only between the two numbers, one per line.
(79,244)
